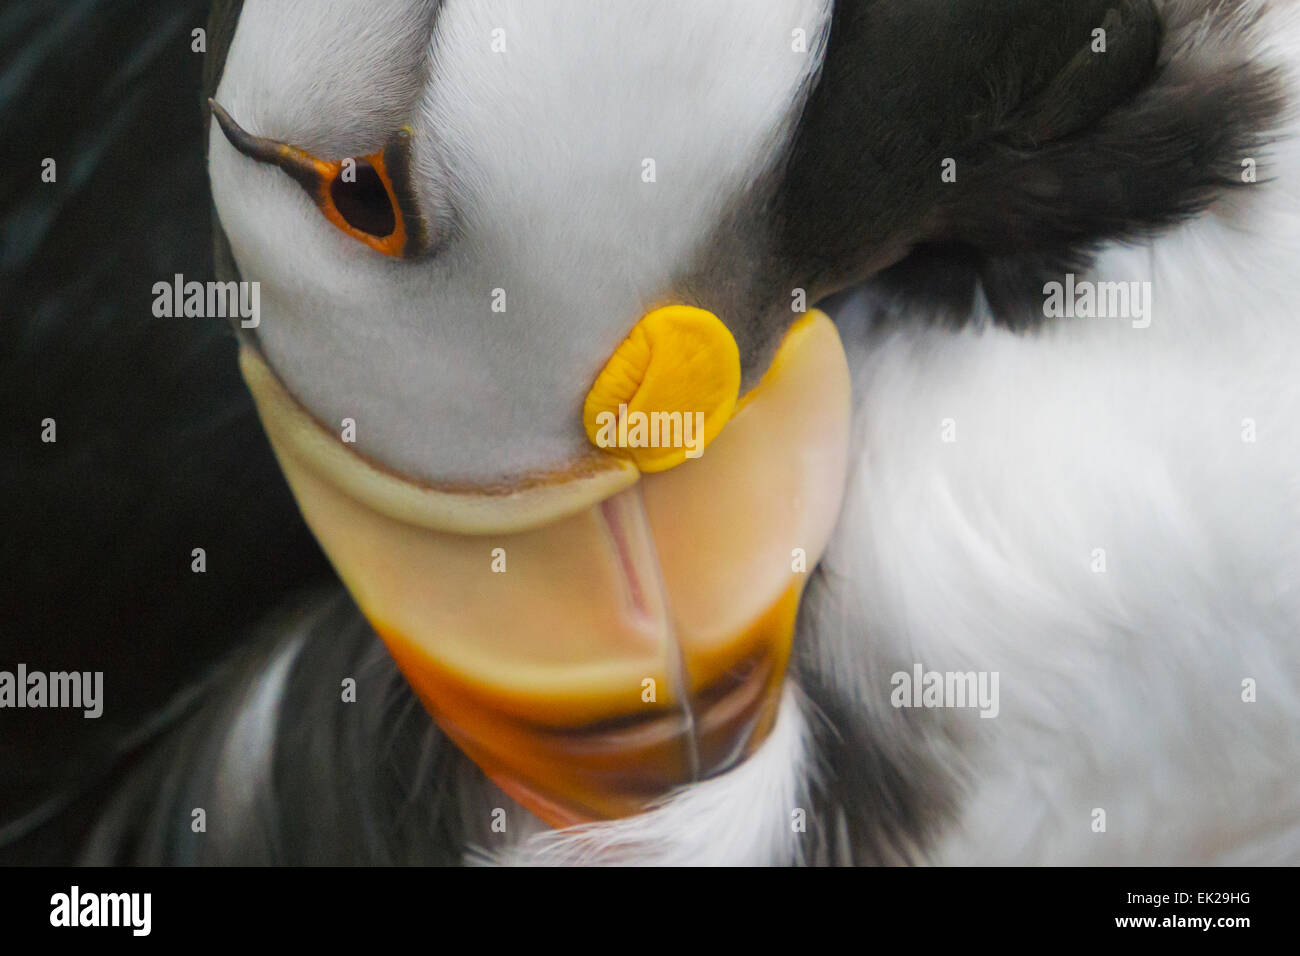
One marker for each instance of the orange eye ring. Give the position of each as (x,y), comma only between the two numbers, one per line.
(392,243)
(396,231)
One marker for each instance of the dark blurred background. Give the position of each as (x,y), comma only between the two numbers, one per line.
(158,448)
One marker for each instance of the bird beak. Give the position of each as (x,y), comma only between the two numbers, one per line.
(596,639)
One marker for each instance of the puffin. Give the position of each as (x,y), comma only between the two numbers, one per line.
(810,432)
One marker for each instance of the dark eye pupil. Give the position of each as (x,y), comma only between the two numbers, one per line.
(364,204)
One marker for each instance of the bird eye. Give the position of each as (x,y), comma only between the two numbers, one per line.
(358,195)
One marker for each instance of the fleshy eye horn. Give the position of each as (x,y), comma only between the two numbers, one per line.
(367,197)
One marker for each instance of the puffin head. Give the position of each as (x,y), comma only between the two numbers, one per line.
(537,349)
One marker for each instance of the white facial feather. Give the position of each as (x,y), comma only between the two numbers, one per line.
(534,122)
